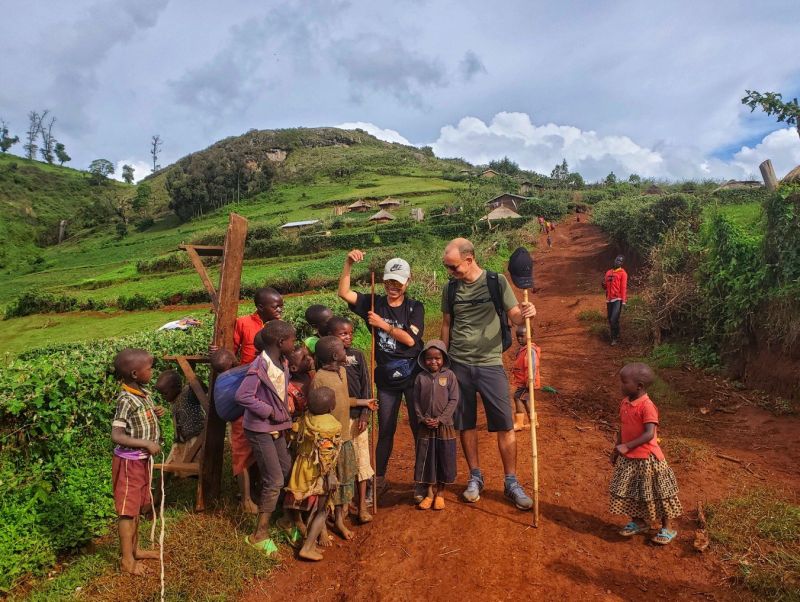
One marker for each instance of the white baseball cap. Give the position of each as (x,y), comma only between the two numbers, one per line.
(397,269)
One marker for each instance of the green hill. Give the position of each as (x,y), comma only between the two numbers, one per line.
(311,172)
(35,197)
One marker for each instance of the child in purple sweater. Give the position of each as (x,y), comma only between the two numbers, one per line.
(263,395)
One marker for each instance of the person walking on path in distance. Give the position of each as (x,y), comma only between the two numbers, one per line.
(399,325)
(476,307)
(616,285)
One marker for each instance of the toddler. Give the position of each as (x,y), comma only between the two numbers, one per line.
(188,418)
(643,485)
(519,378)
(436,396)
(313,478)
(317,317)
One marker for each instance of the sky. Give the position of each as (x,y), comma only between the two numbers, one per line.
(651,88)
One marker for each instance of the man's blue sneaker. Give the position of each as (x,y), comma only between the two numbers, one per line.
(514,492)
(474,487)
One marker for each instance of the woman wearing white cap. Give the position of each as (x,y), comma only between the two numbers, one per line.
(399,322)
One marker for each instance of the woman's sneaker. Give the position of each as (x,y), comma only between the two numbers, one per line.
(474,486)
(514,492)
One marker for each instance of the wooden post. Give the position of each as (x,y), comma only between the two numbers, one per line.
(227,308)
(768,173)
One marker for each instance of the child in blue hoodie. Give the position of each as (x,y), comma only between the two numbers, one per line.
(436,396)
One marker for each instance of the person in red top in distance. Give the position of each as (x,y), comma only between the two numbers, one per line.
(643,485)
(616,285)
(269,306)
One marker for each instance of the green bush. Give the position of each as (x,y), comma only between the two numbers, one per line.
(172,262)
(550,209)
(56,405)
(638,223)
(37,302)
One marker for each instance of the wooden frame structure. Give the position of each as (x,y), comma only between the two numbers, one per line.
(225,304)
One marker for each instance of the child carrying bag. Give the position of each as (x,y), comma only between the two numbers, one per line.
(225,388)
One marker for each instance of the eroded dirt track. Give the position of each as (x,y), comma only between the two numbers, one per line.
(487,550)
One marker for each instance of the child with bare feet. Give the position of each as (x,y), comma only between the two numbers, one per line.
(436,396)
(263,396)
(519,378)
(643,485)
(313,477)
(136,433)
(301,366)
(358,386)
(331,359)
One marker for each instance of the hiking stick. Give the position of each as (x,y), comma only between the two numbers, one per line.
(532,417)
(372,425)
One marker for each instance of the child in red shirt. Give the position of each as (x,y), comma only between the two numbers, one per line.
(643,485)
(519,378)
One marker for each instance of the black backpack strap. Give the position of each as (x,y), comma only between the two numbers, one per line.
(452,288)
(493,283)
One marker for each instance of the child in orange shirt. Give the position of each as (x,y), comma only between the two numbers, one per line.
(519,378)
(643,485)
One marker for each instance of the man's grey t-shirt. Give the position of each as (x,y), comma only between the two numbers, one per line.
(475,336)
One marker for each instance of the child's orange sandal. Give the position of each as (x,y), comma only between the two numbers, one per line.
(438,503)
(426,503)
(664,536)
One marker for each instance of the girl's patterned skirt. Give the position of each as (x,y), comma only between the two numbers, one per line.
(644,488)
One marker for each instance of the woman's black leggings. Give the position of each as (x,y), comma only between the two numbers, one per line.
(388,410)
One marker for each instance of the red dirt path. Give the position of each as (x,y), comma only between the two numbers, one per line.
(487,550)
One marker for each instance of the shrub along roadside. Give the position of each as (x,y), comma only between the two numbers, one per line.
(56,405)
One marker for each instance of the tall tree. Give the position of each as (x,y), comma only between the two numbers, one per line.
(155,148)
(611,179)
(61,154)
(100,169)
(6,141)
(127,174)
(34,126)
(48,142)
(772,104)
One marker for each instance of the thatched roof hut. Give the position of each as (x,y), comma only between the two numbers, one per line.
(739,185)
(653,189)
(792,177)
(359,205)
(382,217)
(389,203)
(501,212)
(489,173)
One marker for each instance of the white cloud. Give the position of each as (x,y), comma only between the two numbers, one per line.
(140,169)
(540,147)
(380,133)
(782,147)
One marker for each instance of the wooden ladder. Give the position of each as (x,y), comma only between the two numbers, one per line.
(225,304)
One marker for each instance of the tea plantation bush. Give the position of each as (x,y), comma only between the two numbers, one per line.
(56,406)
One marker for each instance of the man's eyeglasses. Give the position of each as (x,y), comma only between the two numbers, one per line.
(452,268)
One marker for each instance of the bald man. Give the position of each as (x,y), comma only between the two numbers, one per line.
(471,329)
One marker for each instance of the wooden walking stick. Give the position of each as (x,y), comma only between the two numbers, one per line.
(372,425)
(520,267)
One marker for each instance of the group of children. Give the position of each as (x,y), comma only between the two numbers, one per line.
(306,415)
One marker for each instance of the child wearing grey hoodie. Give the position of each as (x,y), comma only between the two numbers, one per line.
(436,396)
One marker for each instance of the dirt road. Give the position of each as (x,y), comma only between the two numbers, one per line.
(487,550)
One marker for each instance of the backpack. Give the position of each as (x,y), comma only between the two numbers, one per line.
(493,284)
(225,388)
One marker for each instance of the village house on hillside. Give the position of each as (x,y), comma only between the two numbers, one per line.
(501,212)
(507,199)
(418,214)
(525,188)
(360,205)
(389,203)
(489,173)
(382,217)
